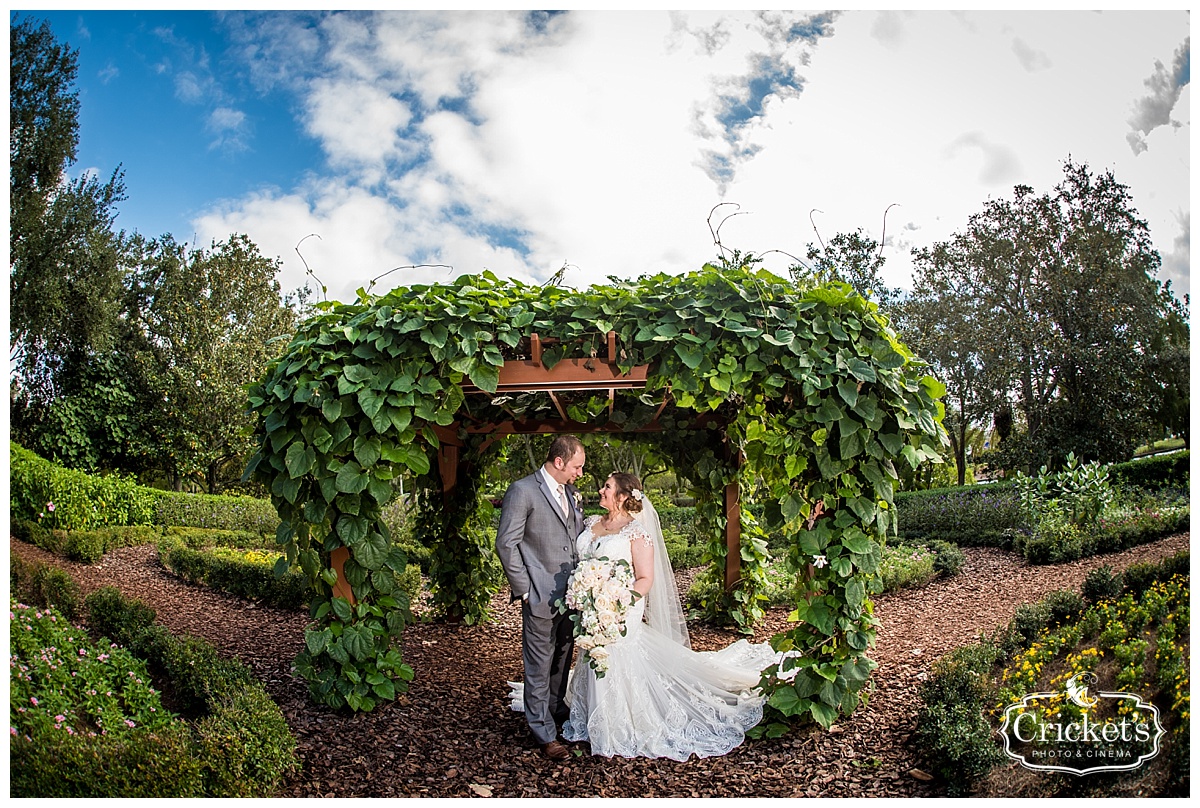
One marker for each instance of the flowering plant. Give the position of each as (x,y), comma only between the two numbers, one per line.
(601,592)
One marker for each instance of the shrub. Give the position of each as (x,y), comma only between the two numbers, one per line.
(906,565)
(33,533)
(948,558)
(1140,577)
(1062,606)
(215,512)
(1027,622)
(245,747)
(1055,539)
(41,585)
(683,552)
(1159,471)
(85,720)
(144,763)
(952,732)
(969,516)
(1102,583)
(67,499)
(198,537)
(248,574)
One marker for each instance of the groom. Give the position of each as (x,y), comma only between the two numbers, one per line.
(539,522)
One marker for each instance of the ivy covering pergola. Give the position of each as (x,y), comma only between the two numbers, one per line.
(801,398)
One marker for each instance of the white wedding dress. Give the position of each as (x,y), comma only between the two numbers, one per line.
(659,698)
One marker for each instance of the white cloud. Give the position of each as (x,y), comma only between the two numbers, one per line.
(229,128)
(498,141)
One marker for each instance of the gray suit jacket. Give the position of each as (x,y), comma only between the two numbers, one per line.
(536,542)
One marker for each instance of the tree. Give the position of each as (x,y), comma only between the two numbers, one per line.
(200,327)
(853,258)
(65,261)
(1049,302)
(940,320)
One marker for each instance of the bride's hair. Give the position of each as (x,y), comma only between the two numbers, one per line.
(626,484)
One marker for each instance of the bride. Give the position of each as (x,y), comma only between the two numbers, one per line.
(658,697)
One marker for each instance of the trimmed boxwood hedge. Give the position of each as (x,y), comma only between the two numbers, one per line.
(240,737)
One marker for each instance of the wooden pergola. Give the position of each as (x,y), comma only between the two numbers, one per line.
(594,375)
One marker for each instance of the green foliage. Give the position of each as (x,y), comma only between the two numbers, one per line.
(86,721)
(197,538)
(1158,471)
(199,325)
(64,262)
(249,575)
(948,559)
(215,512)
(464,571)
(1079,491)
(980,515)
(968,687)
(61,498)
(39,584)
(906,565)
(243,743)
(1051,301)
(811,385)
(1101,583)
(952,730)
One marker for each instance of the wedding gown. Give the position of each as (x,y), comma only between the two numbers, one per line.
(660,698)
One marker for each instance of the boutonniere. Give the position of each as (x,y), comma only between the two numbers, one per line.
(578,499)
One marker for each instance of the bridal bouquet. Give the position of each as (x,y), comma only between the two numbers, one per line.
(601,592)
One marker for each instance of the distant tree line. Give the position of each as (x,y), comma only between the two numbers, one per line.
(1046,322)
(126,353)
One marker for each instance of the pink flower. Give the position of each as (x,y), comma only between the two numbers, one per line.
(12,731)
(50,507)
(58,719)
(83,652)
(33,700)
(129,723)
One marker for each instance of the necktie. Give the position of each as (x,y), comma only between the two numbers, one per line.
(562,499)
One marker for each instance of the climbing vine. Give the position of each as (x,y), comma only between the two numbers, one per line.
(811,386)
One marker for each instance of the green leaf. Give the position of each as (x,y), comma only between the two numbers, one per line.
(299,459)
(823,714)
(352,529)
(366,452)
(315,641)
(860,370)
(372,551)
(331,408)
(856,541)
(357,374)
(351,479)
(691,356)
(848,390)
(341,609)
(786,701)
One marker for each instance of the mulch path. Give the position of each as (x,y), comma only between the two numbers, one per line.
(452,734)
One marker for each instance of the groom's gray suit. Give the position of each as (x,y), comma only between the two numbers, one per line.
(536,545)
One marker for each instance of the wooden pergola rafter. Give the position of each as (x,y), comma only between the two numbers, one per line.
(595,375)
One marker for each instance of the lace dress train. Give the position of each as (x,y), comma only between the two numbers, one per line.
(659,698)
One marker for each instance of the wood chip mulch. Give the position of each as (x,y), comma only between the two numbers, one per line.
(452,734)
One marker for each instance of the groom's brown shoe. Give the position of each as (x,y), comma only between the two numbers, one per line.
(555,750)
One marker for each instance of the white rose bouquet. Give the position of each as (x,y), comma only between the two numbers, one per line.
(601,592)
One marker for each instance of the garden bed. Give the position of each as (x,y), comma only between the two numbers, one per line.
(452,735)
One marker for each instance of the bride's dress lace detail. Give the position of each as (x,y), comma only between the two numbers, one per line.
(660,698)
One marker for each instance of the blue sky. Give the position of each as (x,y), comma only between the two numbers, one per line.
(521,142)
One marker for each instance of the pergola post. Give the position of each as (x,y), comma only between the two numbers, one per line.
(733,520)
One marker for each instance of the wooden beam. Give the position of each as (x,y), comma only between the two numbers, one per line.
(528,376)
(612,347)
(733,524)
(558,405)
(337,563)
(535,349)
